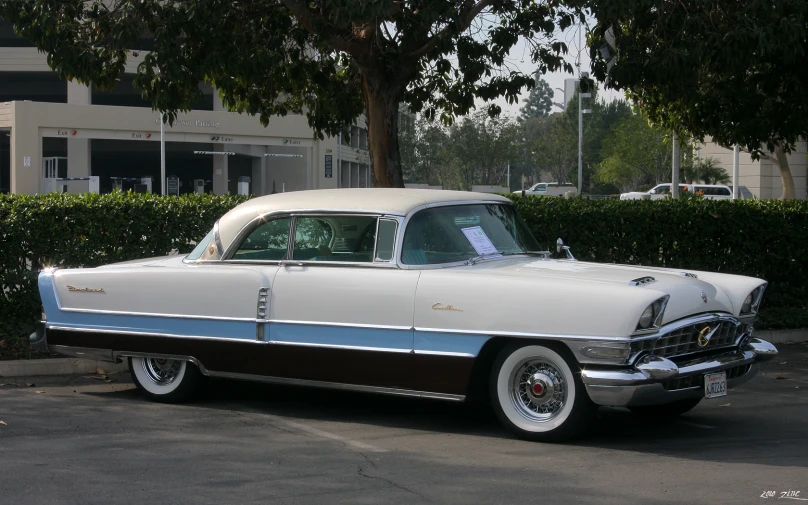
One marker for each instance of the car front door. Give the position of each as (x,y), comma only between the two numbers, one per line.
(341,311)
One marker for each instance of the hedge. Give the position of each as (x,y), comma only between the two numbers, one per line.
(767,239)
(87,230)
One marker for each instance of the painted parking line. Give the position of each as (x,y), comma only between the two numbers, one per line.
(296,426)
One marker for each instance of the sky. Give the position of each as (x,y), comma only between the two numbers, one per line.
(520,59)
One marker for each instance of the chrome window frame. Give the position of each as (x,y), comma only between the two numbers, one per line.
(243,233)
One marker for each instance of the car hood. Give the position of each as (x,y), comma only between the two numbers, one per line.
(587,298)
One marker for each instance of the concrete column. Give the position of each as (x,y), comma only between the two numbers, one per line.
(259,176)
(220,186)
(26,151)
(78,150)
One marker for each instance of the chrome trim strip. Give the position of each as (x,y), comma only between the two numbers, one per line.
(83,352)
(336,385)
(117,355)
(152,334)
(338,346)
(154,314)
(523,334)
(344,325)
(446,353)
(218,240)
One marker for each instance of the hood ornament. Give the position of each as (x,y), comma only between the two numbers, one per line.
(703,296)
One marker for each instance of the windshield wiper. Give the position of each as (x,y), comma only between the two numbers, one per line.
(475,259)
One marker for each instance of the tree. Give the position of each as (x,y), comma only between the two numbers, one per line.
(539,102)
(708,171)
(481,148)
(556,150)
(329,59)
(634,153)
(733,70)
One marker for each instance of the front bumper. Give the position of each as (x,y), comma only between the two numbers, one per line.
(654,380)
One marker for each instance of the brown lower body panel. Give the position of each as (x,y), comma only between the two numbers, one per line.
(416,372)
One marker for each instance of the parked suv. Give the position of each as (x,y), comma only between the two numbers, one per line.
(550,189)
(709,191)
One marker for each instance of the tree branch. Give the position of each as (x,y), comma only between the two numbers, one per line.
(463,23)
(307,21)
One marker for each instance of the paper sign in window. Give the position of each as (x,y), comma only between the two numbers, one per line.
(479,240)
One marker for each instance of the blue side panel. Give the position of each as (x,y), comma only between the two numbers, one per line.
(381,338)
(433,341)
(143,324)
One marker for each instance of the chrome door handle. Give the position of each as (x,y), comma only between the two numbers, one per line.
(289,263)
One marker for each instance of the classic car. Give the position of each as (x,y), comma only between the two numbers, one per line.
(434,294)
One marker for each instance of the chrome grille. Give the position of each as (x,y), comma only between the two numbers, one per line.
(685,340)
(693,381)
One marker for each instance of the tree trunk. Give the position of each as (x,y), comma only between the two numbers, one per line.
(382,123)
(781,160)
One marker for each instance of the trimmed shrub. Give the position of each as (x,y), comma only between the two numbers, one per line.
(37,231)
(767,239)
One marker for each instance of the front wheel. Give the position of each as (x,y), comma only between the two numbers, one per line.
(166,380)
(538,394)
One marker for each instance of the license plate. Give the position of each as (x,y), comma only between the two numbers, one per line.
(715,385)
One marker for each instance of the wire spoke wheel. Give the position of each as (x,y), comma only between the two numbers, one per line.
(538,389)
(162,371)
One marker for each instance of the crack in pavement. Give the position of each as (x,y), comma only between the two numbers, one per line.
(361,471)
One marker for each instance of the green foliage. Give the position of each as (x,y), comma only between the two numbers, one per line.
(37,231)
(708,171)
(729,69)
(759,238)
(634,153)
(539,102)
(328,59)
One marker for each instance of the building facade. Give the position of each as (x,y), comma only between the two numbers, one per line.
(761,177)
(52,130)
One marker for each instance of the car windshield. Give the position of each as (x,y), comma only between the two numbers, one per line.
(460,232)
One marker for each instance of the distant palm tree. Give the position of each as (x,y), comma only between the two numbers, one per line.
(708,171)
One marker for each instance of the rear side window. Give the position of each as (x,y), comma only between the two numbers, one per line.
(386,240)
(335,238)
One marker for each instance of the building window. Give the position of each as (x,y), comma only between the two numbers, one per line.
(33,86)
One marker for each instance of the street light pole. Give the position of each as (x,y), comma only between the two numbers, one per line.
(509,176)
(162,156)
(580,141)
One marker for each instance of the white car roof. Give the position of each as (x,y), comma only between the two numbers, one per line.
(391,201)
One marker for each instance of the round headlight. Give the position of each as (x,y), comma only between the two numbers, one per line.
(747,304)
(647,317)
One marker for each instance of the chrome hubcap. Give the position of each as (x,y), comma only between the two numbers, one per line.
(161,371)
(538,389)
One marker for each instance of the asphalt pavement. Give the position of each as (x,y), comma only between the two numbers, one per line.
(84,440)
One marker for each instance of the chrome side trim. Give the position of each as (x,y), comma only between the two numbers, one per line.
(344,325)
(346,347)
(446,353)
(117,355)
(155,314)
(152,334)
(336,385)
(83,352)
(525,335)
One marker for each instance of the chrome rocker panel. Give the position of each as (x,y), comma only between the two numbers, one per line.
(643,384)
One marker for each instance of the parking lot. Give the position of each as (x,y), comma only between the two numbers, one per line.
(83,440)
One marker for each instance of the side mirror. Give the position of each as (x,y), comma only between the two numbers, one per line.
(652,192)
(561,247)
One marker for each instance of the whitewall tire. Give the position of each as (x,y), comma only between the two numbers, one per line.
(166,380)
(537,393)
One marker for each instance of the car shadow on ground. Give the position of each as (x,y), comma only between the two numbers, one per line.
(709,432)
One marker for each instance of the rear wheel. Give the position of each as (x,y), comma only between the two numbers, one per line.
(537,393)
(166,380)
(673,409)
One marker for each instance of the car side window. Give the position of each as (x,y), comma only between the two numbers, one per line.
(386,239)
(268,242)
(335,238)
